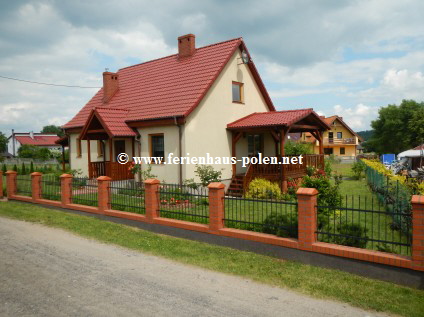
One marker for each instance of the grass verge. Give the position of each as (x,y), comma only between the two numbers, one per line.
(319,282)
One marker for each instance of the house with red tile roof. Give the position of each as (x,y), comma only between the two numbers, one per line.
(16,140)
(340,140)
(198,102)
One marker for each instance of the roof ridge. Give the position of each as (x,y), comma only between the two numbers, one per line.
(176,54)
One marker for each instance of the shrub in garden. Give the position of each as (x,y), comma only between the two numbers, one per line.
(263,189)
(4,169)
(207,174)
(31,168)
(15,168)
(357,169)
(23,169)
(352,235)
(281,225)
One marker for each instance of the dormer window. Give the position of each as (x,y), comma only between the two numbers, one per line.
(238,92)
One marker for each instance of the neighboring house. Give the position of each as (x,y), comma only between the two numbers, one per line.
(16,140)
(198,101)
(341,140)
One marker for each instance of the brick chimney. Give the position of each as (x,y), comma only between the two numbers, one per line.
(186,45)
(110,85)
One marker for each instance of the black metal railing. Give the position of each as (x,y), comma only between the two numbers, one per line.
(84,191)
(184,203)
(262,212)
(364,222)
(23,185)
(50,187)
(127,196)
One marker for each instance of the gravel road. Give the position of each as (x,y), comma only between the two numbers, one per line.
(49,272)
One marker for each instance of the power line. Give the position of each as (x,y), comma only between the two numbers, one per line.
(46,84)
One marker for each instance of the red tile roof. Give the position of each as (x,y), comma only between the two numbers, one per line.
(169,86)
(272,118)
(419,147)
(114,121)
(41,140)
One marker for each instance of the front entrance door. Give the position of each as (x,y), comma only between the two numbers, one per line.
(255,144)
(119,147)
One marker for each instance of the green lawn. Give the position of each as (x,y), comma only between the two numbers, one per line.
(319,282)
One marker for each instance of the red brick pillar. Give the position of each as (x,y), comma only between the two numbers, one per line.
(11,183)
(1,185)
(417,232)
(103,196)
(36,185)
(216,206)
(66,189)
(151,199)
(307,217)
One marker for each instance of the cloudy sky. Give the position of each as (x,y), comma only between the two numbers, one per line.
(339,57)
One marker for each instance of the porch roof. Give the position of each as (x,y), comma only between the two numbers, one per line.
(297,120)
(111,120)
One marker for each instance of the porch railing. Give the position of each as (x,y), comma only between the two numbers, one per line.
(339,141)
(114,170)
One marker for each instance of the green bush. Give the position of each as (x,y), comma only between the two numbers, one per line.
(4,169)
(15,168)
(263,189)
(23,169)
(281,225)
(31,168)
(353,235)
(357,169)
(207,174)
(296,148)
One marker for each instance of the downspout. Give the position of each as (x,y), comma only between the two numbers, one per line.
(13,142)
(180,168)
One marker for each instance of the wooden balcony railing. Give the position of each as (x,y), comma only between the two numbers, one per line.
(329,141)
(114,170)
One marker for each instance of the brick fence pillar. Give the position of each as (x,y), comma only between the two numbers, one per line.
(66,189)
(36,185)
(103,196)
(11,183)
(151,198)
(307,217)
(417,232)
(216,206)
(1,185)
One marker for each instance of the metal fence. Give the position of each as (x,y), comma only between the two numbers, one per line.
(184,203)
(50,187)
(23,185)
(127,196)
(262,213)
(84,191)
(364,222)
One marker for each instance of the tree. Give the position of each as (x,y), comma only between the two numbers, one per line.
(3,143)
(34,152)
(53,129)
(398,128)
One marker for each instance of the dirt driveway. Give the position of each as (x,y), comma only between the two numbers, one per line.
(49,272)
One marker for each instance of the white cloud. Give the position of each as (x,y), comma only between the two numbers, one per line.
(358,117)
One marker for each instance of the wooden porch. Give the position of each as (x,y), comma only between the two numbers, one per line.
(277,124)
(114,170)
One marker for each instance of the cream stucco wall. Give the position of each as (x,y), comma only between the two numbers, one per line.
(205,130)
(163,172)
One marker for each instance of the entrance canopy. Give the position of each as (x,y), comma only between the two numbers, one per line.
(302,120)
(106,123)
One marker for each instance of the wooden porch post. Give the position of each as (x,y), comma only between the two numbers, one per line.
(90,170)
(282,153)
(110,150)
(63,159)
(321,142)
(235,137)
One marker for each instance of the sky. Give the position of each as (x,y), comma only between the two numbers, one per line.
(348,58)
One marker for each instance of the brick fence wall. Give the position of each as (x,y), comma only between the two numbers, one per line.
(307,218)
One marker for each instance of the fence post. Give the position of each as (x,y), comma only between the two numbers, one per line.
(66,189)
(216,206)
(151,199)
(36,185)
(417,232)
(307,217)
(103,196)
(1,185)
(11,183)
